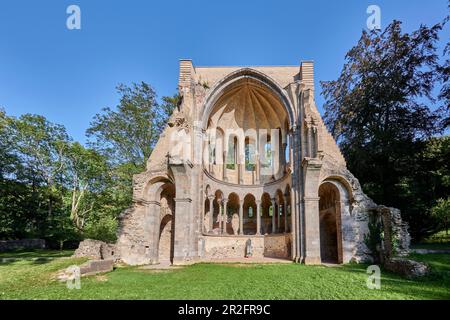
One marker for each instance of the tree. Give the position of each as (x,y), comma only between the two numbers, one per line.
(129,133)
(87,175)
(441,212)
(126,136)
(9,162)
(444,74)
(379,109)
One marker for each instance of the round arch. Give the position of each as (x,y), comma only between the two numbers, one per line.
(245,73)
(330,223)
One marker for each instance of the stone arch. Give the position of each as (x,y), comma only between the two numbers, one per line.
(279,218)
(288,210)
(217,210)
(330,223)
(233,204)
(165,243)
(246,73)
(343,185)
(249,214)
(153,186)
(346,230)
(266,219)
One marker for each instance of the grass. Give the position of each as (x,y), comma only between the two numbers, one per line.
(440,240)
(37,253)
(33,279)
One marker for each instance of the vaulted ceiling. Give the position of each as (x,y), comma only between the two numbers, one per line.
(248,105)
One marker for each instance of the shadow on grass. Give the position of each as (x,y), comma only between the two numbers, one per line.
(37,253)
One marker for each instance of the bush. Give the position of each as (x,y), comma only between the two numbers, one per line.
(103,229)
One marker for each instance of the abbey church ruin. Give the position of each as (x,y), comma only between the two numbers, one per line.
(247,168)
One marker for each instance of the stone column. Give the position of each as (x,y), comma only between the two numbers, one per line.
(181,232)
(153,223)
(309,137)
(225,216)
(258,217)
(273,216)
(211,213)
(241,217)
(257,168)
(311,210)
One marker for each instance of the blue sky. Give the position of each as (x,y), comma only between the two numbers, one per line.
(69,75)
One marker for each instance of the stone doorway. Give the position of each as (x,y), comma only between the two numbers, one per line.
(167,225)
(330,224)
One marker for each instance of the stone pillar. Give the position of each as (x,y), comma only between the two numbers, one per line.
(273,216)
(225,216)
(258,168)
(311,209)
(309,137)
(241,217)
(211,213)
(181,232)
(153,223)
(258,217)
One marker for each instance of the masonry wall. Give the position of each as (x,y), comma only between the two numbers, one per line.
(231,247)
(278,246)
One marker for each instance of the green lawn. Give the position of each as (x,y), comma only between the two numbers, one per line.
(440,240)
(32,279)
(37,253)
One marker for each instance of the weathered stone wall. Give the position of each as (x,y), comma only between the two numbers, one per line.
(277,246)
(133,241)
(230,247)
(355,210)
(95,249)
(9,245)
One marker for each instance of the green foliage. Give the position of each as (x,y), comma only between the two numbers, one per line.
(129,133)
(103,228)
(59,190)
(381,110)
(26,279)
(374,238)
(441,212)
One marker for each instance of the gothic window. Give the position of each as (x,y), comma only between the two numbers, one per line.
(249,156)
(267,155)
(232,153)
(250,212)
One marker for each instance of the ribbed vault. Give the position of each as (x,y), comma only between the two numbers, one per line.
(248,105)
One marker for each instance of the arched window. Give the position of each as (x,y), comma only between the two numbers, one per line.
(267,154)
(249,155)
(232,153)
(250,212)
(287,153)
(212,154)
